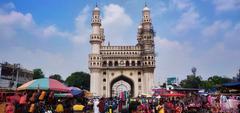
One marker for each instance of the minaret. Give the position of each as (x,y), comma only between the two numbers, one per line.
(96,38)
(96,41)
(147,43)
(147,31)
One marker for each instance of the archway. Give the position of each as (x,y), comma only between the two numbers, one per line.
(120,84)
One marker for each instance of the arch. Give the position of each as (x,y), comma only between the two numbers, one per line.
(104,63)
(116,63)
(110,64)
(127,63)
(138,63)
(124,78)
(133,63)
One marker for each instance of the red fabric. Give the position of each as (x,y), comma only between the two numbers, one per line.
(178,109)
(101,106)
(120,106)
(9,108)
(23,99)
(170,105)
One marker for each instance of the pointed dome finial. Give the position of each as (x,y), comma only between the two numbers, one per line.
(96,8)
(145,7)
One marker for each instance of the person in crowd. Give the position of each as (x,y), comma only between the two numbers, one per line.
(239,108)
(32,108)
(78,108)
(133,107)
(23,102)
(178,108)
(9,108)
(59,107)
(95,105)
(42,96)
(169,106)
(101,105)
(160,107)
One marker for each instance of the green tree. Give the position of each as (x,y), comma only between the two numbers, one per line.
(79,79)
(37,73)
(56,77)
(214,81)
(192,81)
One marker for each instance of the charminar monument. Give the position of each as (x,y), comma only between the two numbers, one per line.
(115,69)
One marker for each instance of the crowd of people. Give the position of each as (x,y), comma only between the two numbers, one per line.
(41,102)
(45,102)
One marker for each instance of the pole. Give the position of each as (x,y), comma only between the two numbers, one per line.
(12,80)
(18,67)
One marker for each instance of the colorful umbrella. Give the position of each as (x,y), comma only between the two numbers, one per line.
(75,90)
(44,84)
(63,95)
(173,95)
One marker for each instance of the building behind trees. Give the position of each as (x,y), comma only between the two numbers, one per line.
(13,75)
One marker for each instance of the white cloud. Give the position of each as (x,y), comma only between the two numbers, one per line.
(52,31)
(117,24)
(17,27)
(6,7)
(226,5)
(82,32)
(12,21)
(49,62)
(231,38)
(188,20)
(173,59)
(176,58)
(217,27)
(182,4)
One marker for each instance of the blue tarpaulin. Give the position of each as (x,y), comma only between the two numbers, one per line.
(75,91)
(232,84)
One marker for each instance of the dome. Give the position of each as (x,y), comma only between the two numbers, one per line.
(146,8)
(96,9)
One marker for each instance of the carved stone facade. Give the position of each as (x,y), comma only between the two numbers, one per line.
(133,64)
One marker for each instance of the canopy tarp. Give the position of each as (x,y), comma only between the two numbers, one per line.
(75,90)
(63,95)
(172,95)
(232,84)
(44,84)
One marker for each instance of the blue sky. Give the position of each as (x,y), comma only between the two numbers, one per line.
(54,35)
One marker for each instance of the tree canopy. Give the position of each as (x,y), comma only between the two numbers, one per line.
(79,79)
(56,77)
(214,81)
(191,81)
(37,73)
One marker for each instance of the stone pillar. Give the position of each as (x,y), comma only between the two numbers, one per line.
(95,86)
(148,82)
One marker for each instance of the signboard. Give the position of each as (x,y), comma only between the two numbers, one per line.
(171,80)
